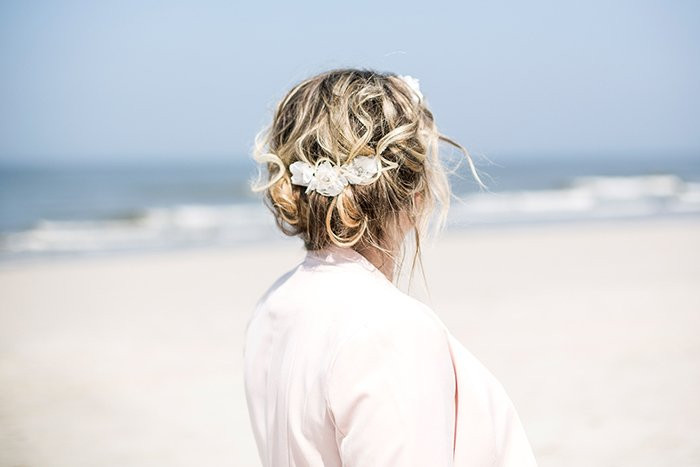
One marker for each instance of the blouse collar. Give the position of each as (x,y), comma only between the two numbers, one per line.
(347,257)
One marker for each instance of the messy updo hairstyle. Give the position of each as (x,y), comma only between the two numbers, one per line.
(339,115)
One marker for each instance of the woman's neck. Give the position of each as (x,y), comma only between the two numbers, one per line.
(380,260)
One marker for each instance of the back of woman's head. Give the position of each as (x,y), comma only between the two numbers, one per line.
(341,115)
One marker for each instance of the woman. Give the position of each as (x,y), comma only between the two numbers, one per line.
(341,367)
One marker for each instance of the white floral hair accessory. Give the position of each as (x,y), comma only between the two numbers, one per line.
(329,179)
(414,84)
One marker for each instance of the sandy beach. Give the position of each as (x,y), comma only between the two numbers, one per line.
(136,360)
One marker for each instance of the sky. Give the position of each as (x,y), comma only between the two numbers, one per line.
(149,80)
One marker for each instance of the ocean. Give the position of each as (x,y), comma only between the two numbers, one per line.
(107,209)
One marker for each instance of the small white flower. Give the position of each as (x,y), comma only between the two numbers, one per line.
(362,169)
(302,173)
(414,84)
(328,180)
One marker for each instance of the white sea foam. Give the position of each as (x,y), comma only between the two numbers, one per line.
(213,225)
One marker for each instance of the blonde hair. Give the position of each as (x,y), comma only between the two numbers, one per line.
(339,115)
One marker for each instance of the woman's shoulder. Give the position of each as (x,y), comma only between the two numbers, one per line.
(405,313)
(398,322)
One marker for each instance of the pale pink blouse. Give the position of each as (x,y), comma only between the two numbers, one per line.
(342,368)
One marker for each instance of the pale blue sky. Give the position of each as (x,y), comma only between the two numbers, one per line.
(134,80)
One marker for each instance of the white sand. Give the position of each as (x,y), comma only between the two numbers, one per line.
(136,360)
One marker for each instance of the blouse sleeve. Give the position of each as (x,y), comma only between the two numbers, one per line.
(391,394)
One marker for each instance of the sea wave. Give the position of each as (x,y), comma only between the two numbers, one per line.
(593,197)
(154,228)
(188,225)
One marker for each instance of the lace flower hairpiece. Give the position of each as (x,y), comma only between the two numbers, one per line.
(329,179)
